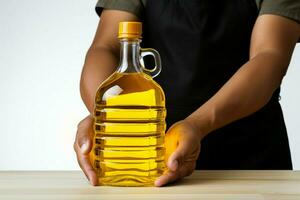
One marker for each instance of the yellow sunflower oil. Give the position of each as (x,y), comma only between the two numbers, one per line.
(129,118)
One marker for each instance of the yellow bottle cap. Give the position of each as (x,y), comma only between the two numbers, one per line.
(130,30)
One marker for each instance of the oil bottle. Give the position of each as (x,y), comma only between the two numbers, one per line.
(129,117)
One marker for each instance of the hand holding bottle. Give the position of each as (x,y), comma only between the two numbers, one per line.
(182,151)
(182,144)
(83,146)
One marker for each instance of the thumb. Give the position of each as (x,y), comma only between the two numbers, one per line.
(85,145)
(84,135)
(177,158)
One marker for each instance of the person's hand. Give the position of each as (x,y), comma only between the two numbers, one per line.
(182,144)
(83,145)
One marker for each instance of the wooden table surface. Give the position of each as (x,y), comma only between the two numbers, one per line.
(207,185)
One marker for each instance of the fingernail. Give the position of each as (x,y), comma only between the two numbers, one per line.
(83,148)
(157,183)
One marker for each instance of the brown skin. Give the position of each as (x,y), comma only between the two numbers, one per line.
(272,44)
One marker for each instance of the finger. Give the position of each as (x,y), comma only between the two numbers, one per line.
(169,177)
(86,145)
(84,135)
(178,157)
(186,170)
(171,142)
(86,166)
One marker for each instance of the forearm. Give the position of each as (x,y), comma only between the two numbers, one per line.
(247,91)
(100,62)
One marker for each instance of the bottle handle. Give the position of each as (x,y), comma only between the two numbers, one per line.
(157,68)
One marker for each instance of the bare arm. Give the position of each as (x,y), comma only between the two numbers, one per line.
(251,87)
(103,55)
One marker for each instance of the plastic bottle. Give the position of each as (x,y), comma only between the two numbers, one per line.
(129,118)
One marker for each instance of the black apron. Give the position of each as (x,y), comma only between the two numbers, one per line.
(202,44)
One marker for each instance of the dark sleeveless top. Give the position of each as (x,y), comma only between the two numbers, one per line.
(202,44)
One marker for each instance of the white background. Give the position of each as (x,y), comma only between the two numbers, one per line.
(42,49)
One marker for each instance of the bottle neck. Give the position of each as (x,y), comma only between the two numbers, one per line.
(130,56)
